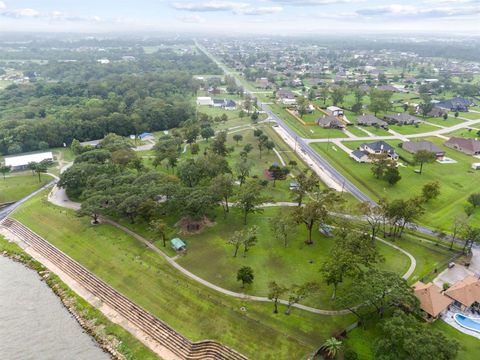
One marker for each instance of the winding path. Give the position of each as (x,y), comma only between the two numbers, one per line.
(58,197)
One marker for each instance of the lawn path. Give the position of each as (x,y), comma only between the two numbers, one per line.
(59,197)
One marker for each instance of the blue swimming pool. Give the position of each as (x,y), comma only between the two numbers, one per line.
(468,322)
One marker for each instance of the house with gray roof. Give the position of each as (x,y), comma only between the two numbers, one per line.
(467,146)
(415,146)
(371,120)
(330,122)
(402,119)
(365,151)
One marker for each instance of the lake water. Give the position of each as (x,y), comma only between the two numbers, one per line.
(34,325)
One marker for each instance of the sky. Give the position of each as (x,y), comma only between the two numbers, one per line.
(232,17)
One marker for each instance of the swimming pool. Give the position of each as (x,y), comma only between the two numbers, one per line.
(468,322)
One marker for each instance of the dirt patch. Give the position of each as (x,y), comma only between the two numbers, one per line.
(189,226)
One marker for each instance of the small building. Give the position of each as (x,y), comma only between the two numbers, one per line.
(467,146)
(285,94)
(178,244)
(476,166)
(432,302)
(334,111)
(146,136)
(415,146)
(371,120)
(18,163)
(402,119)
(204,101)
(330,122)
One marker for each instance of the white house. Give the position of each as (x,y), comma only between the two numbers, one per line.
(21,162)
(204,101)
(334,111)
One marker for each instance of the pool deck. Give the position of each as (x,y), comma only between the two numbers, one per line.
(448,317)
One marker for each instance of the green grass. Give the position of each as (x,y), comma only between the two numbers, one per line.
(465,133)
(16,186)
(451,121)
(413,129)
(457,182)
(129,346)
(211,258)
(358,131)
(468,115)
(309,132)
(193,310)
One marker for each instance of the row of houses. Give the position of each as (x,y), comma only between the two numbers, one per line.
(365,151)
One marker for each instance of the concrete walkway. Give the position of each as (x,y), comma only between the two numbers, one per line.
(59,197)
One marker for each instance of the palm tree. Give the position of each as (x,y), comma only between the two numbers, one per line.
(332,347)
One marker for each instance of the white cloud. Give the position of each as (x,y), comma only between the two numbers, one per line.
(316,2)
(21,13)
(210,6)
(192,19)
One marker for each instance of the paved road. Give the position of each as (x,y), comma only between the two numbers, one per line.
(324,164)
(6,211)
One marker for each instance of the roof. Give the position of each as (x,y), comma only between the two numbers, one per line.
(23,160)
(432,301)
(415,146)
(466,291)
(230,103)
(403,118)
(329,121)
(144,135)
(358,154)
(467,144)
(177,243)
(370,120)
(379,146)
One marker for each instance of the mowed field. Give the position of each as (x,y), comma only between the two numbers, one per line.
(193,310)
(457,181)
(16,186)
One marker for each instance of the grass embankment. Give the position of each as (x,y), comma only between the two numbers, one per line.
(457,181)
(94,322)
(193,310)
(16,186)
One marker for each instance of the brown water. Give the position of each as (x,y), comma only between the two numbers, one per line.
(34,325)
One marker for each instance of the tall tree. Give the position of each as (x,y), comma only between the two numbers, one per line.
(406,338)
(274,292)
(424,157)
(222,186)
(298,293)
(5,170)
(332,347)
(307,181)
(250,198)
(160,229)
(282,225)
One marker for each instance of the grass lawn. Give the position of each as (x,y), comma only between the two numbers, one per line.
(16,186)
(468,115)
(465,133)
(362,341)
(308,132)
(193,310)
(451,121)
(211,258)
(357,131)
(457,182)
(413,129)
